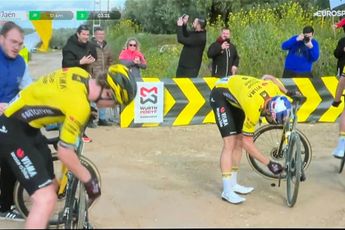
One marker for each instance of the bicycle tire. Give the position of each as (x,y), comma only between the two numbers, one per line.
(82,207)
(267,140)
(22,199)
(342,162)
(294,169)
(71,202)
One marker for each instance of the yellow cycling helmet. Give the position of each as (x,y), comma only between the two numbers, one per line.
(122,83)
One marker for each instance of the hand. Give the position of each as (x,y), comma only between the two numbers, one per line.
(309,44)
(87,60)
(225,45)
(3,106)
(336,103)
(234,70)
(137,60)
(300,37)
(94,113)
(185,19)
(275,167)
(292,93)
(179,21)
(93,190)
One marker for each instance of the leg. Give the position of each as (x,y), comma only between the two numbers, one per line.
(226,125)
(236,160)
(339,150)
(43,204)
(7,181)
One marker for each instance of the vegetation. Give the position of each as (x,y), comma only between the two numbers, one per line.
(257,31)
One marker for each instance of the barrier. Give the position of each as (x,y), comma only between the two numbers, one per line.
(186,101)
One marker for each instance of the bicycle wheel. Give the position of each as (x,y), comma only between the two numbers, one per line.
(76,216)
(22,198)
(293,168)
(267,140)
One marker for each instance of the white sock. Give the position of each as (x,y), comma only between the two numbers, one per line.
(233,178)
(227,184)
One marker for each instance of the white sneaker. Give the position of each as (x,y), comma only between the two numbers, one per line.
(232,197)
(242,189)
(338,152)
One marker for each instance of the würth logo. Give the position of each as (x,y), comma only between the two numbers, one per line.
(148,95)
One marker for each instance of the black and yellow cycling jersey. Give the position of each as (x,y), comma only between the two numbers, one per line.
(59,97)
(248,94)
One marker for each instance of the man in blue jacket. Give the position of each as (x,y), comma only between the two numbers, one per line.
(303,52)
(13,77)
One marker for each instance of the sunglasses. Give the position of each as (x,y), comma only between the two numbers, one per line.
(135,45)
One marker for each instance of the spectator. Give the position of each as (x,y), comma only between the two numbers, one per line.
(193,46)
(339,53)
(132,57)
(14,76)
(224,55)
(79,52)
(104,60)
(303,51)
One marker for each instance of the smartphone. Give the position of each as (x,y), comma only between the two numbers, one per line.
(184,15)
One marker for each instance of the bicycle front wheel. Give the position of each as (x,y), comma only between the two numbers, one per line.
(293,168)
(267,139)
(77,216)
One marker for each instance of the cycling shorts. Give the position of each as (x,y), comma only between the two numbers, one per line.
(25,150)
(229,118)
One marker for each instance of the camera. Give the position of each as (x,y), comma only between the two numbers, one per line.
(227,40)
(306,39)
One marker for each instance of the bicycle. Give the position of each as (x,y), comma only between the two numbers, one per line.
(287,145)
(69,193)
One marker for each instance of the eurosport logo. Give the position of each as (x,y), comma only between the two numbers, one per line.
(148,95)
(329,13)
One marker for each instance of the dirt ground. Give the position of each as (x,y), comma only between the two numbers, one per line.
(169,177)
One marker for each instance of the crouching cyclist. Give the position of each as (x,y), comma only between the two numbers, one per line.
(238,102)
(63,96)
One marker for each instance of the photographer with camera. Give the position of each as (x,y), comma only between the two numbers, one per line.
(303,52)
(225,59)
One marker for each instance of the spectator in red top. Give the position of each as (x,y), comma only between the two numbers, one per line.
(131,57)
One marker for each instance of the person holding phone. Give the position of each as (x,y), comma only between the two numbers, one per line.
(193,46)
(225,59)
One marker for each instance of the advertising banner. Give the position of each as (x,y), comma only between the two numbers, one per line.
(149,101)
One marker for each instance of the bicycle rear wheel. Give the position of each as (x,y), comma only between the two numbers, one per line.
(267,140)
(22,198)
(293,168)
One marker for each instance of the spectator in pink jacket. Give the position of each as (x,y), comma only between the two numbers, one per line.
(132,57)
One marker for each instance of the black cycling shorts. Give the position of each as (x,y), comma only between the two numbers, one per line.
(229,118)
(25,150)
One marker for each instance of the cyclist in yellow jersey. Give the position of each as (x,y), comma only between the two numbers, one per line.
(238,102)
(62,96)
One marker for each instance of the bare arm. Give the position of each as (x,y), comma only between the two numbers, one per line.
(72,162)
(249,146)
(275,81)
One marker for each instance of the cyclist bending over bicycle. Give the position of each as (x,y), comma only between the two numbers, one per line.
(238,102)
(62,96)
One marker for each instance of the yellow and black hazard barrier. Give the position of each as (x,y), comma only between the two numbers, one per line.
(186,101)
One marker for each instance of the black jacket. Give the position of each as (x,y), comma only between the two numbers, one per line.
(222,60)
(73,51)
(339,53)
(194,44)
